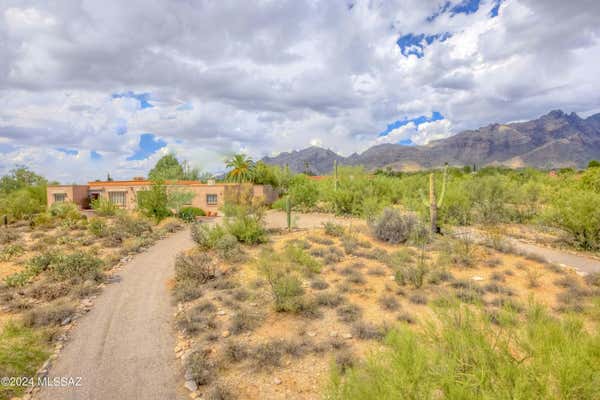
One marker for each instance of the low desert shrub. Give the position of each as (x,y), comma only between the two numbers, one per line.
(186,290)
(104,207)
(284,284)
(329,299)
(218,391)
(200,368)
(334,229)
(393,226)
(79,266)
(189,214)
(349,313)
(97,227)
(206,236)
(367,331)
(319,284)
(11,251)
(388,302)
(54,313)
(8,235)
(300,257)
(245,223)
(228,248)
(268,355)
(196,267)
(244,321)
(234,352)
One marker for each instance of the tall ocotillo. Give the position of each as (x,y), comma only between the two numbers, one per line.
(434,203)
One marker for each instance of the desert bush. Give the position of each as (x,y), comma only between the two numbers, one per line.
(78,267)
(11,251)
(367,331)
(268,354)
(393,226)
(246,223)
(389,302)
(234,352)
(413,274)
(97,227)
(285,286)
(592,279)
(132,226)
(244,321)
(228,248)
(54,313)
(356,277)
(344,360)
(533,278)
(418,298)
(376,271)
(8,235)
(349,313)
(196,267)
(104,207)
(47,290)
(189,214)
(206,235)
(218,391)
(65,211)
(406,318)
(199,367)
(578,213)
(329,299)
(319,284)
(320,240)
(334,229)
(298,256)
(186,290)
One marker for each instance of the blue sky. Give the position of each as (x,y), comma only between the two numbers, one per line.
(89,88)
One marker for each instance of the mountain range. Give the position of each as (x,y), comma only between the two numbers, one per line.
(555,140)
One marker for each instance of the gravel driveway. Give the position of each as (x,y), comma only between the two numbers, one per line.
(123,349)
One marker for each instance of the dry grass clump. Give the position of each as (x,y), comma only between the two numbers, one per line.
(329,299)
(55,313)
(244,321)
(320,240)
(234,352)
(200,368)
(388,302)
(319,284)
(218,391)
(367,331)
(349,313)
(418,298)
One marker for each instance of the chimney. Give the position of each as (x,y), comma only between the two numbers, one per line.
(139,178)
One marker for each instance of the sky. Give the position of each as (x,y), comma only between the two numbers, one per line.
(93,87)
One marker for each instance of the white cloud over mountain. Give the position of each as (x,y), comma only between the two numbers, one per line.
(212,78)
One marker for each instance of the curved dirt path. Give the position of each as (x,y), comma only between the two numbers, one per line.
(123,348)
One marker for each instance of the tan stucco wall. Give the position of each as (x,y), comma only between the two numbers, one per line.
(79,194)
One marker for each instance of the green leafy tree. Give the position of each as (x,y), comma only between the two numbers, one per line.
(22,193)
(242,168)
(167,168)
(177,198)
(594,164)
(154,202)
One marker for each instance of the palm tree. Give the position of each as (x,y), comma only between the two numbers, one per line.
(242,168)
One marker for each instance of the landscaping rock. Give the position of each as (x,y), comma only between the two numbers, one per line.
(191,385)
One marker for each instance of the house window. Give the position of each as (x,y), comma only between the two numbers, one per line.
(60,197)
(117,198)
(211,199)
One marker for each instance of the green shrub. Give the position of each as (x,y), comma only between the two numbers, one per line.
(228,247)
(286,288)
(153,203)
(65,211)
(22,352)
(132,226)
(97,227)
(206,236)
(578,213)
(245,223)
(300,257)
(11,251)
(78,266)
(104,207)
(334,229)
(459,358)
(189,214)
(393,226)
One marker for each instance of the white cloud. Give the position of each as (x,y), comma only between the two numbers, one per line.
(275,76)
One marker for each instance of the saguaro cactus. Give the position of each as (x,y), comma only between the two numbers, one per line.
(435,203)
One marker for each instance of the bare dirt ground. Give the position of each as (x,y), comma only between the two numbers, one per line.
(123,349)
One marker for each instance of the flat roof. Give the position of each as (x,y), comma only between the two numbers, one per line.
(147,183)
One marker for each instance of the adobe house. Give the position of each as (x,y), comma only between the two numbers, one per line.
(207,196)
